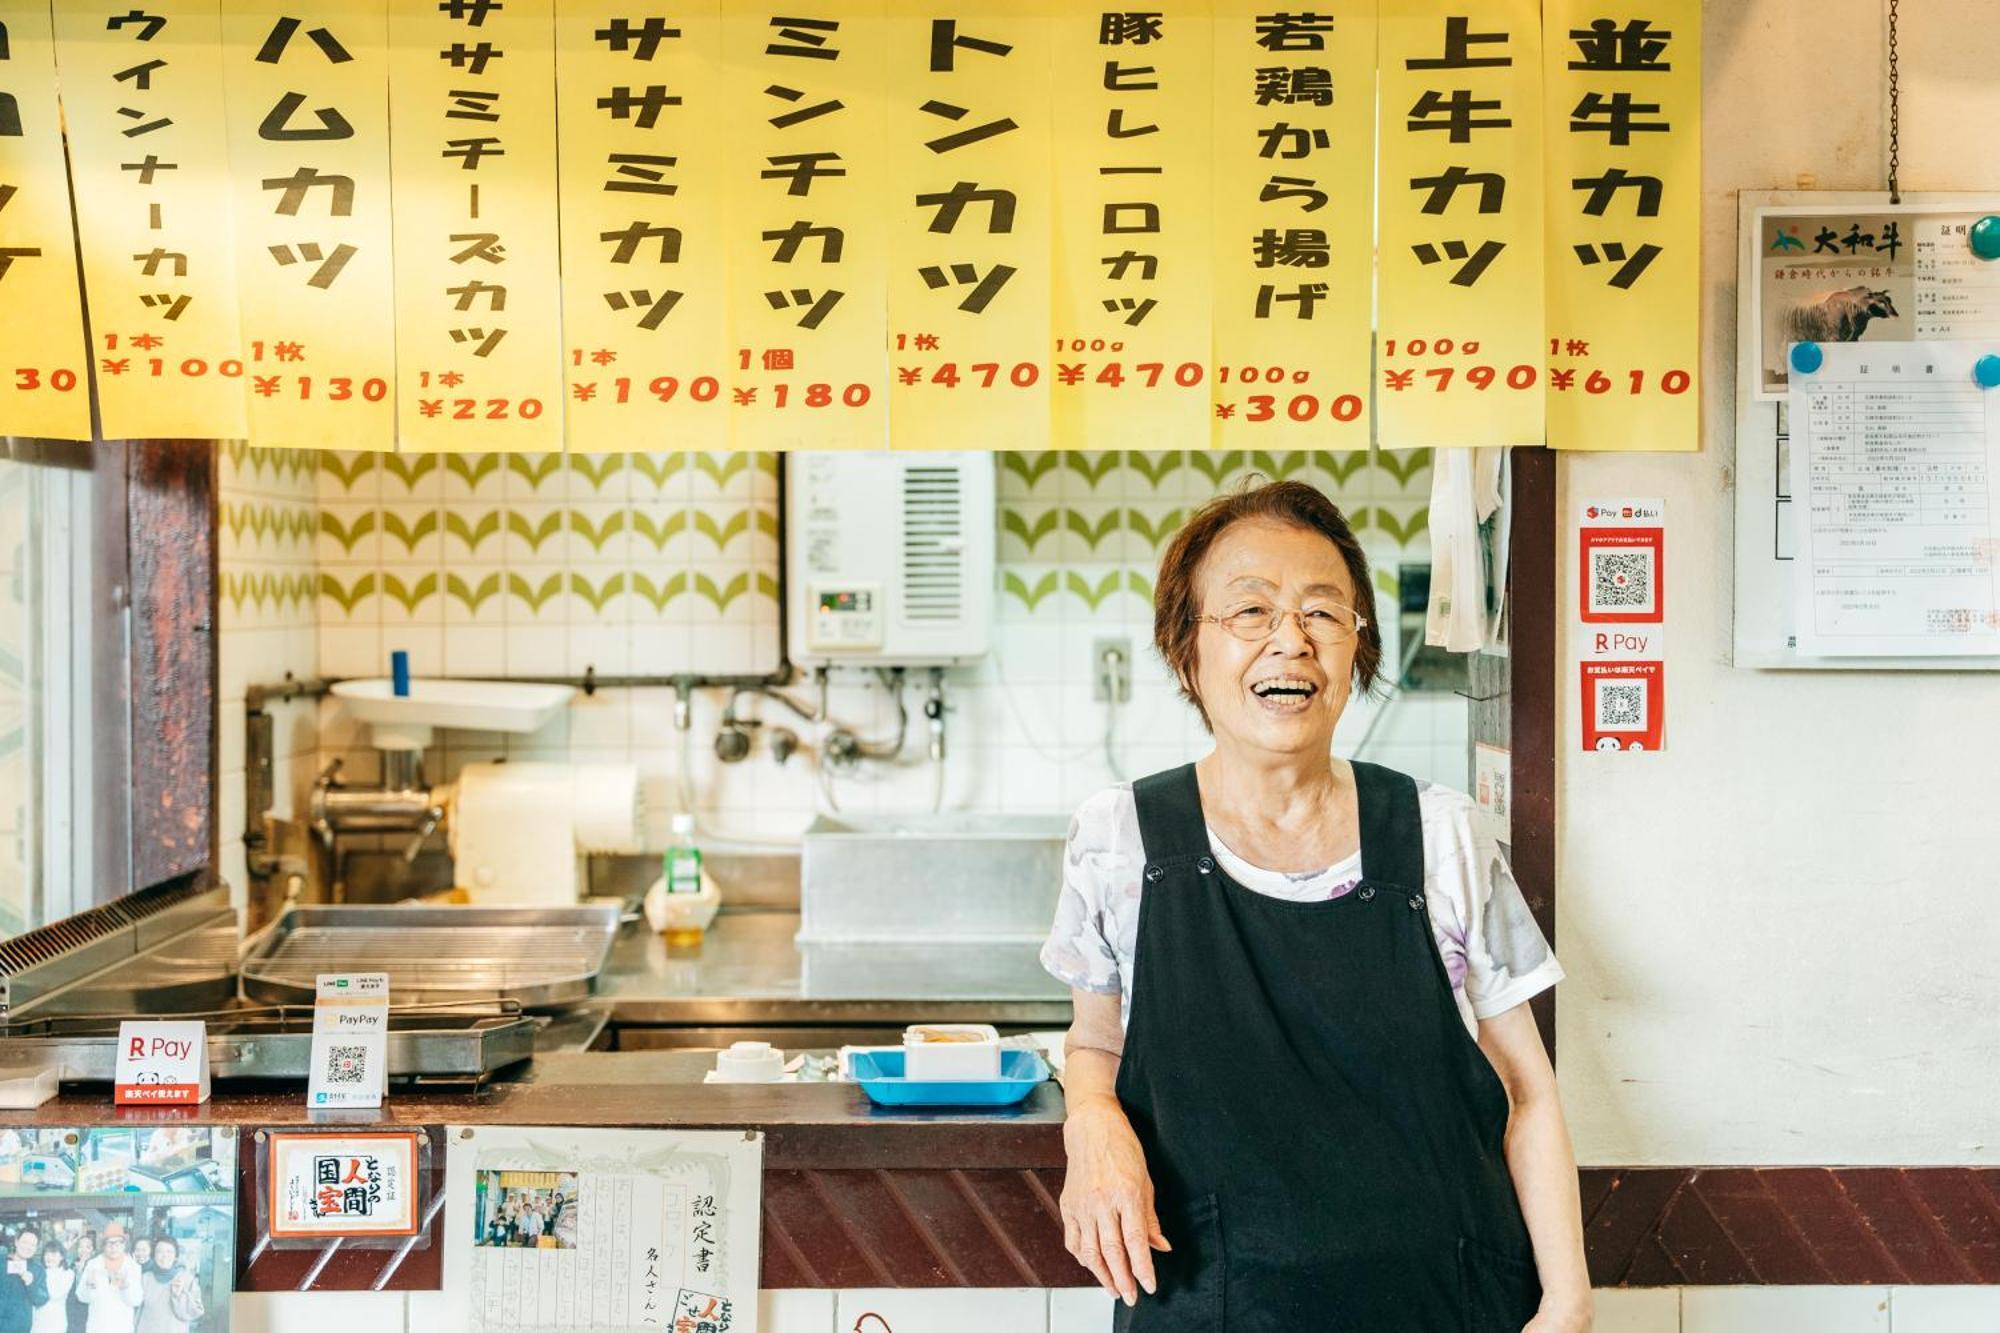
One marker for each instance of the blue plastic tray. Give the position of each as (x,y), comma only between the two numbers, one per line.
(880,1074)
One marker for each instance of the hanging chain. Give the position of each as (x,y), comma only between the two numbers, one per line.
(1895,113)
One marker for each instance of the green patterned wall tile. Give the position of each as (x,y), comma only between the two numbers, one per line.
(472,532)
(659,468)
(348,532)
(345,595)
(1092,594)
(721,468)
(1342,468)
(535,595)
(1029,596)
(410,469)
(470,595)
(597,595)
(412,593)
(1216,465)
(409,530)
(1156,467)
(1405,465)
(1019,472)
(1091,532)
(724,532)
(348,469)
(1138,584)
(472,469)
(1279,467)
(659,594)
(597,469)
(658,530)
(1156,529)
(535,470)
(1404,530)
(534,531)
(598,533)
(1030,531)
(1088,470)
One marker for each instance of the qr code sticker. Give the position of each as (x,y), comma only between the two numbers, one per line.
(1621,580)
(346,1064)
(1621,705)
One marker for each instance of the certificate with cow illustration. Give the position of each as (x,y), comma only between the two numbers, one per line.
(1870,273)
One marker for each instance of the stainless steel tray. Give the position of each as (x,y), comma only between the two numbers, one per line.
(537,957)
(441,1044)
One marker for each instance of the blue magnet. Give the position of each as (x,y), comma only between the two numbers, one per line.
(1807,358)
(1985,237)
(399,674)
(1986,370)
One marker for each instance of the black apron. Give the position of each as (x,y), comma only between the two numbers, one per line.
(1324,1136)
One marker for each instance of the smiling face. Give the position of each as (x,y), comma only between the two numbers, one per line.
(1284,693)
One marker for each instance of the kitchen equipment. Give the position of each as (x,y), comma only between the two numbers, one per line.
(889,557)
(428,1044)
(882,1076)
(404,721)
(914,879)
(520,833)
(537,957)
(951,1052)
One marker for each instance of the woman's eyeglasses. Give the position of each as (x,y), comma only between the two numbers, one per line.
(1330,623)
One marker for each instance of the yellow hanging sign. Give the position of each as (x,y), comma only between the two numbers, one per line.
(644,274)
(150,159)
(808,254)
(1294,124)
(309,160)
(44,360)
(969,225)
(1459,324)
(473,160)
(1132,228)
(1624,224)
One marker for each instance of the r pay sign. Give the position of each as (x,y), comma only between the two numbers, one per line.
(161,1064)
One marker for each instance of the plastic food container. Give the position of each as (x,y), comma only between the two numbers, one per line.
(882,1076)
(941,1052)
(749,1062)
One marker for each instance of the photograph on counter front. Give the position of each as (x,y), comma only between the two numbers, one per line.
(113,1230)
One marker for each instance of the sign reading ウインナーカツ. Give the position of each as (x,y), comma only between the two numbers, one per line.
(149,157)
(1623,84)
(44,372)
(469,224)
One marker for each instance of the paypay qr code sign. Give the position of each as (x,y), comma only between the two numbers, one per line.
(1622,580)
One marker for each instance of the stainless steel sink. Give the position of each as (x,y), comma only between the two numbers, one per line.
(963,878)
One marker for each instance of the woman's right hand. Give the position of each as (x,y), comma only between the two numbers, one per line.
(1107,1199)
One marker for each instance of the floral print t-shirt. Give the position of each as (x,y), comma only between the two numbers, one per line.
(1493,951)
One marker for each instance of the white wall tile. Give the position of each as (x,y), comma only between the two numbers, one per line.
(1776,1309)
(1637,1310)
(1944,1309)
(1080,1310)
(902,1310)
(795,1312)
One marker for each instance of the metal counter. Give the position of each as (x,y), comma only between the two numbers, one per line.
(749,973)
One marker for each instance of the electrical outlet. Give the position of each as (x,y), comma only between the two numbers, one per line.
(1111,669)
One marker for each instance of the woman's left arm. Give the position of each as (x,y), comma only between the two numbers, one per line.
(1544,1168)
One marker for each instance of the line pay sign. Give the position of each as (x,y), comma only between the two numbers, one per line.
(161,1064)
(1620,634)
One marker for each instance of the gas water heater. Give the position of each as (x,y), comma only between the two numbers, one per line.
(889,558)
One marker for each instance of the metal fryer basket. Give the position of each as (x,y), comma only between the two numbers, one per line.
(538,957)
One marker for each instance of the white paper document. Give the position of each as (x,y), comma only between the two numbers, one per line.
(596,1229)
(1895,454)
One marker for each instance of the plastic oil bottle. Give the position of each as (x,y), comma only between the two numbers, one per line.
(685,923)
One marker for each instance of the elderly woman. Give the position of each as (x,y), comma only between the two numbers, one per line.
(1304,1088)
